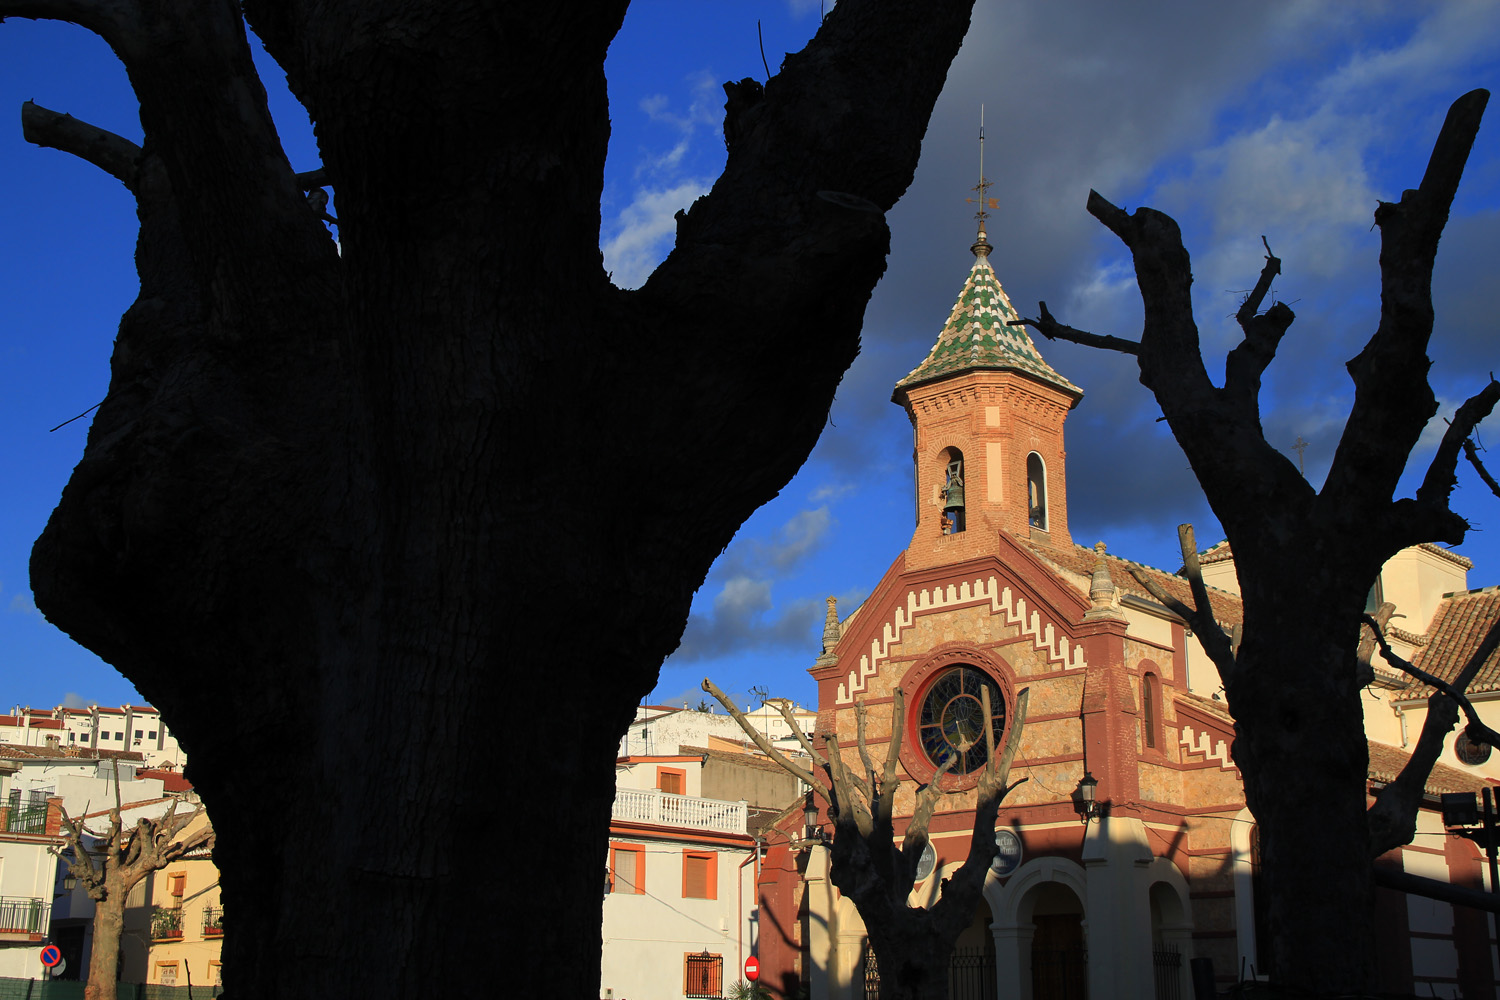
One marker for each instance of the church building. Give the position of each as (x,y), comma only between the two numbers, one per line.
(1129,851)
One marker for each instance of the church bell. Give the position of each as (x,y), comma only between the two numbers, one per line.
(953,493)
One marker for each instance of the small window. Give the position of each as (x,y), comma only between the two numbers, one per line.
(1148,709)
(177,883)
(672,780)
(138,734)
(627,868)
(151,735)
(703,975)
(700,875)
(72,737)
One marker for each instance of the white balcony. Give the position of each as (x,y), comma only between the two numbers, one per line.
(637,805)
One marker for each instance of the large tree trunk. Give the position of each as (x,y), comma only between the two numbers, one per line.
(104,952)
(1301,749)
(396,537)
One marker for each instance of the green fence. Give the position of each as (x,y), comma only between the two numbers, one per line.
(62,989)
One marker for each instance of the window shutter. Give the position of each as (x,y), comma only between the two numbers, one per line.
(698,874)
(625,874)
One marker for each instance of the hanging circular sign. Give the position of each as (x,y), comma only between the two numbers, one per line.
(1007,853)
(927,862)
(51,955)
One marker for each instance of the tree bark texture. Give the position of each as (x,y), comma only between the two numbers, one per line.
(1306,558)
(388,508)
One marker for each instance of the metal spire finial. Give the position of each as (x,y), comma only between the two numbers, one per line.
(982,247)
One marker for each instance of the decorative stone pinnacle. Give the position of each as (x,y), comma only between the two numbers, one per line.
(831,626)
(1102,588)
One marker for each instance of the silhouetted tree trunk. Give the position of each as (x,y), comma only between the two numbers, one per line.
(1306,559)
(912,944)
(361,524)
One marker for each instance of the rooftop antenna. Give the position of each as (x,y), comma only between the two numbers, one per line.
(981,247)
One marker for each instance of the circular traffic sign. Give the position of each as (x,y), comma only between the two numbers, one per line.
(752,969)
(51,955)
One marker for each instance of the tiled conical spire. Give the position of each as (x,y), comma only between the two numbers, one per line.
(976,335)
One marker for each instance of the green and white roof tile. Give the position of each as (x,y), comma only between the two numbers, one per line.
(976,337)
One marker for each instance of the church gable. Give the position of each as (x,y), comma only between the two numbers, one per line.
(1028,616)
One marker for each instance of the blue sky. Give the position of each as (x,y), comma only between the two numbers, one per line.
(1287,120)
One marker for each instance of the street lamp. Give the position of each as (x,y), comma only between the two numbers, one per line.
(1462,816)
(1088,786)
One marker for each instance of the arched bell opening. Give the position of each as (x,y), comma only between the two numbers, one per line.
(952,490)
(1036,491)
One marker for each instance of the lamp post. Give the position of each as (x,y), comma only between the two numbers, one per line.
(1088,786)
(810,819)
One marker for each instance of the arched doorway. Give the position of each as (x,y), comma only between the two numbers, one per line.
(1059,961)
(1041,936)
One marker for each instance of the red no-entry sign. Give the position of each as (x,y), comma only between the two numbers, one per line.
(51,955)
(752,969)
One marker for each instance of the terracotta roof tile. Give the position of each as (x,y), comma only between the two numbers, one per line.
(1457,630)
(1387,761)
(1079,560)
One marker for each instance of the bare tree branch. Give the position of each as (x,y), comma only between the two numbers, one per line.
(1437,485)
(116,21)
(1392,818)
(867,785)
(1219,646)
(791,721)
(1050,328)
(115,155)
(848,803)
(1473,455)
(1391,406)
(1248,361)
(764,744)
(1476,728)
(888,781)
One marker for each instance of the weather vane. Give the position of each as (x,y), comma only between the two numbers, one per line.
(984,201)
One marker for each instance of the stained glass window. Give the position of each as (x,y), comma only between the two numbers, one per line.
(951,720)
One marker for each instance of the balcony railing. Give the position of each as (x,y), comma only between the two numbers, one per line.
(636,805)
(166,923)
(213,921)
(28,819)
(23,915)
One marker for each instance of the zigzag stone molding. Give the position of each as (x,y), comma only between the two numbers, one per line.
(1044,634)
(1206,745)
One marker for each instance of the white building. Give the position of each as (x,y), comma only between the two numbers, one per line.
(679,884)
(661,729)
(29,841)
(137,728)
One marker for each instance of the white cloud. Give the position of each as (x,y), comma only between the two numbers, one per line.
(801,8)
(21,604)
(644,227)
(832,491)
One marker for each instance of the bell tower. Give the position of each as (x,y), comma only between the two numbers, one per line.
(987,419)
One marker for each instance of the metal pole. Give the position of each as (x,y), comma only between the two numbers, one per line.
(1489,842)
